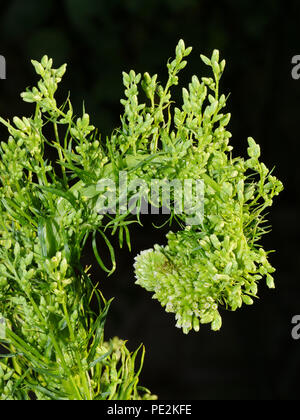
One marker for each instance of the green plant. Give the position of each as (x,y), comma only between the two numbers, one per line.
(53,340)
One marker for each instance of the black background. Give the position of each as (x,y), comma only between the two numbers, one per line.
(254,355)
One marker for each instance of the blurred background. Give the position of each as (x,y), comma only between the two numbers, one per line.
(254,355)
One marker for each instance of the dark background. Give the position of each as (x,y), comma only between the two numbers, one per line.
(254,355)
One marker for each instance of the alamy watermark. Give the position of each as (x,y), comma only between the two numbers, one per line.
(296,328)
(2,327)
(2,68)
(137,196)
(296,67)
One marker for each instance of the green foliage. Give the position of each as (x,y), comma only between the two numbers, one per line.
(219,263)
(55,341)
